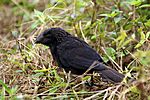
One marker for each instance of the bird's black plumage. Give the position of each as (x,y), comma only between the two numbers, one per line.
(75,55)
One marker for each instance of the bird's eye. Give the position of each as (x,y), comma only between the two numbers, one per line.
(47,33)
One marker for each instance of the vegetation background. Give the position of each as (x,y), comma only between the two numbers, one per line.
(118,29)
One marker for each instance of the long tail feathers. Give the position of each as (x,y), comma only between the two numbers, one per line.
(111,75)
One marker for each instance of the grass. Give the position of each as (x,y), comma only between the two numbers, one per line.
(118,30)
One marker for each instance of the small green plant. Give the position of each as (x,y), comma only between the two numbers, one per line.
(117,29)
(10,92)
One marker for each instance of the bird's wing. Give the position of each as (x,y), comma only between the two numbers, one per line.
(78,55)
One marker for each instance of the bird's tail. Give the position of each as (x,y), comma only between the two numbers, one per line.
(111,75)
(108,74)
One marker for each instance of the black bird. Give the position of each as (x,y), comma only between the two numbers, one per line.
(75,55)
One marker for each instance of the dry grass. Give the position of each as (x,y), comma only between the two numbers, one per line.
(27,70)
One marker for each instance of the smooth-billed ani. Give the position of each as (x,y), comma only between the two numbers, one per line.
(75,55)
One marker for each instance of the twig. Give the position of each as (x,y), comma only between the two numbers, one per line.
(100,92)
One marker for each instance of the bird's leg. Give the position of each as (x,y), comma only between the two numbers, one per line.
(68,80)
(53,63)
(92,80)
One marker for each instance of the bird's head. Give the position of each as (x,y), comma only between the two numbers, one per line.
(51,36)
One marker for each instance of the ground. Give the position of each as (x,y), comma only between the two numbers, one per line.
(117,30)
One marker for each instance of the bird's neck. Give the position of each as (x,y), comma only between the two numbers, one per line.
(55,42)
(58,40)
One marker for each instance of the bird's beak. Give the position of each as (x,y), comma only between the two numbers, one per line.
(36,42)
(39,39)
